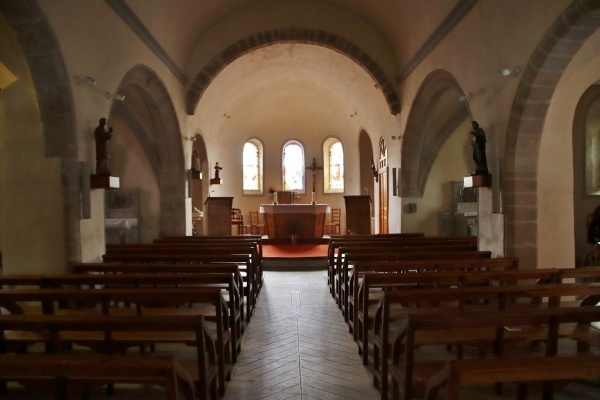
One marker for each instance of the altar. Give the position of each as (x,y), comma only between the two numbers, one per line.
(305,220)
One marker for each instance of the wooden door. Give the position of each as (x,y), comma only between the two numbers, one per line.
(382,172)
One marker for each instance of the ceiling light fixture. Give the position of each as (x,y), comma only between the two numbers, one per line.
(464,97)
(506,71)
(87,80)
(116,96)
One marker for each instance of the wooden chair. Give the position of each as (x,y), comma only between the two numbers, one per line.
(333,227)
(237,219)
(256,228)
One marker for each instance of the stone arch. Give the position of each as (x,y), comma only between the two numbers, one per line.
(162,144)
(532,100)
(421,144)
(305,36)
(42,52)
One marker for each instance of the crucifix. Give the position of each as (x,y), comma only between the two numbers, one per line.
(313,167)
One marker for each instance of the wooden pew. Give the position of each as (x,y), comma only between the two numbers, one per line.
(457,373)
(243,261)
(389,241)
(198,376)
(255,240)
(352,301)
(224,281)
(380,281)
(194,247)
(478,298)
(403,239)
(490,370)
(66,369)
(351,258)
(145,301)
(173,268)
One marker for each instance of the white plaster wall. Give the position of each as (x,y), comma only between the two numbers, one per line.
(130,164)
(452,164)
(31,202)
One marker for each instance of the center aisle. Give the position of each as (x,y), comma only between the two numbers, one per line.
(297,345)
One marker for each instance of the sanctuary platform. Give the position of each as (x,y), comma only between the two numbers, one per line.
(307,255)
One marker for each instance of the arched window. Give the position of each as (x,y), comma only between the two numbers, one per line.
(333,155)
(252,167)
(293,167)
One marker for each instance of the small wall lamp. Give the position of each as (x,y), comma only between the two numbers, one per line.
(116,96)
(396,137)
(191,138)
(87,80)
(506,71)
(464,97)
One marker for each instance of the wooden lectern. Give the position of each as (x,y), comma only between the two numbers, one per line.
(218,214)
(358,215)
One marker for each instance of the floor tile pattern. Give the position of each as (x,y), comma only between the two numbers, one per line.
(297,345)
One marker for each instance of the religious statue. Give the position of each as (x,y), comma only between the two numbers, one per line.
(102,135)
(374,171)
(195,161)
(478,144)
(217,169)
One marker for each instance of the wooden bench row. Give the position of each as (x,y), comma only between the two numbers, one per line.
(397,333)
(194,379)
(124,268)
(227,282)
(388,241)
(131,303)
(342,275)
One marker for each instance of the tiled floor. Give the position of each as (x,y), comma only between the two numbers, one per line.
(297,345)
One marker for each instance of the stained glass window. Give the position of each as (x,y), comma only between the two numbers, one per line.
(293,167)
(251,165)
(333,157)
(336,166)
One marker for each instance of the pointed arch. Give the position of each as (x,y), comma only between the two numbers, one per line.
(540,78)
(162,144)
(421,144)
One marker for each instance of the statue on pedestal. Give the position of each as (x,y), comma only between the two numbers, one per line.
(195,161)
(217,169)
(478,141)
(102,135)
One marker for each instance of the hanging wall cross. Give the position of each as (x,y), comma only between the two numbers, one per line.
(313,167)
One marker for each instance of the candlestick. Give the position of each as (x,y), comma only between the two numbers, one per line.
(313,198)
(274,197)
